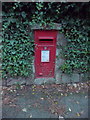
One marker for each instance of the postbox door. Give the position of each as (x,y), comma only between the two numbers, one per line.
(44,61)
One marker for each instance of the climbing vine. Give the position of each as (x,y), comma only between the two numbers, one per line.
(18,43)
(77,51)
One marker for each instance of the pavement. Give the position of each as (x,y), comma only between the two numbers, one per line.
(43,102)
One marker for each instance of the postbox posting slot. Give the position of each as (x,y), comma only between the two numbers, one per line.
(45,40)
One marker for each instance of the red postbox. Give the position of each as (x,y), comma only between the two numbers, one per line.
(45,53)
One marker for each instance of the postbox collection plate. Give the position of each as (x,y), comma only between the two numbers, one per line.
(45,55)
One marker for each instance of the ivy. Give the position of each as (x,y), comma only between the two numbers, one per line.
(18,43)
(18,48)
(77,51)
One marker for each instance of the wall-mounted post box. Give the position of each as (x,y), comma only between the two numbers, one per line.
(45,53)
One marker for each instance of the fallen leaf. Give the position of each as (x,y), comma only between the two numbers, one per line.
(55,113)
(33,86)
(21,87)
(75,85)
(24,110)
(77,91)
(1,92)
(30,116)
(60,117)
(13,105)
(11,90)
(86,96)
(61,94)
(43,86)
(14,90)
(78,114)
(65,94)
(77,102)
(33,90)
(56,102)
(42,98)
(82,112)
(70,109)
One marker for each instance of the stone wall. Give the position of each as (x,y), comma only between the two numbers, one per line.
(60,78)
